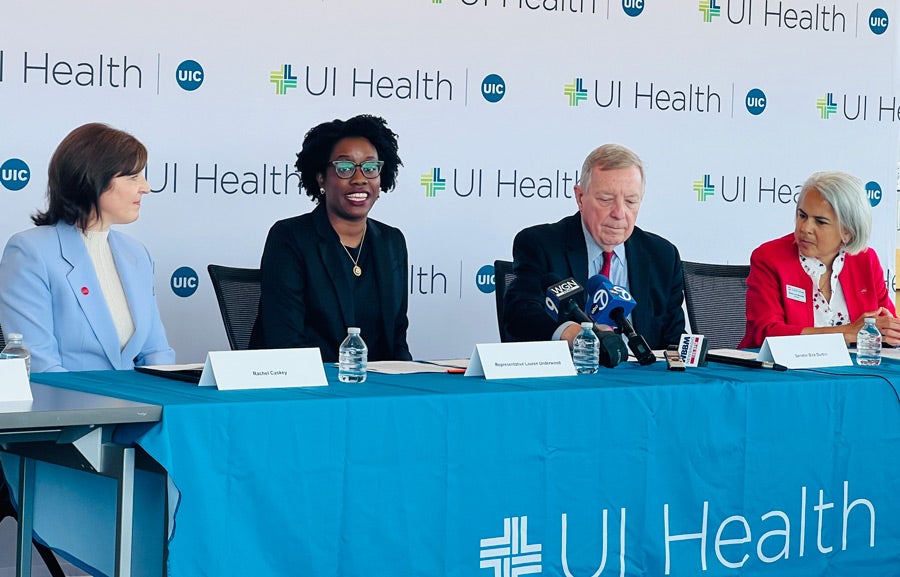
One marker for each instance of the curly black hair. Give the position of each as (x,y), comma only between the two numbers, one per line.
(319,142)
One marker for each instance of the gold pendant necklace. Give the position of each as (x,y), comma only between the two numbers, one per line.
(356,269)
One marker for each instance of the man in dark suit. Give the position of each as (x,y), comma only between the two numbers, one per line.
(609,196)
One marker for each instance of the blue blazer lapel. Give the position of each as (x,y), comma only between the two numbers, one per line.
(86,287)
(134,285)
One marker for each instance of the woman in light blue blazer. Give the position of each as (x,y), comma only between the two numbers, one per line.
(81,294)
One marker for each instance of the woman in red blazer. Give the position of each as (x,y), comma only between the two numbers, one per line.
(822,278)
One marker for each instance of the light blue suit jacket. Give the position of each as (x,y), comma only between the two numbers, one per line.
(50,293)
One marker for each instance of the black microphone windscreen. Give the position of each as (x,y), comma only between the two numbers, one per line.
(612,349)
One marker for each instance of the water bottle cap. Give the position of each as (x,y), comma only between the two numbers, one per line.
(14,336)
(869,321)
(353,330)
(587,325)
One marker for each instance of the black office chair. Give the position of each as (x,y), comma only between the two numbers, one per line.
(715,295)
(237,290)
(503,277)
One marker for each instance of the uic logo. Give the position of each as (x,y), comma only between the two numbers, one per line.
(878,21)
(14,174)
(189,75)
(493,88)
(484,279)
(633,7)
(756,102)
(873,191)
(184,281)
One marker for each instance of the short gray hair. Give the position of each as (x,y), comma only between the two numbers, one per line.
(847,196)
(610,157)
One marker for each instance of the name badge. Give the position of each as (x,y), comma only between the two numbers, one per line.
(796,293)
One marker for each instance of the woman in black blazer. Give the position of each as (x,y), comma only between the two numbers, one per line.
(335,267)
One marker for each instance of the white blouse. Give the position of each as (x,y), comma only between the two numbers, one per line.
(97,243)
(825,313)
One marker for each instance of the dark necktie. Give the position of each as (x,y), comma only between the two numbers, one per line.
(607,262)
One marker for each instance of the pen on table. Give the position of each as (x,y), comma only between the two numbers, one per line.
(456,371)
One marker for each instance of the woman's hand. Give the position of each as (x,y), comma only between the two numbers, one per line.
(888,325)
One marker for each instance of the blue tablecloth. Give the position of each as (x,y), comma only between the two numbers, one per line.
(719,471)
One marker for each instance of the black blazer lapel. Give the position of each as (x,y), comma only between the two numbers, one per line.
(576,249)
(384,274)
(640,266)
(331,251)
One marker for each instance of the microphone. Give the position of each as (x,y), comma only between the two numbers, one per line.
(609,305)
(561,303)
(693,351)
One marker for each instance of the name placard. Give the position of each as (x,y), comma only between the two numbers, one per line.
(521,360)
(263,369)
(806,351)
(14,377)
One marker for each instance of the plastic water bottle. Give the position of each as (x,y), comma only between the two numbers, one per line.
(868,344)
(586,350)
(354,357)
(16,350)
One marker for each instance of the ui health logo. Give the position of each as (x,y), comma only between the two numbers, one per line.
(433,182)
(189,75)
(704,188)
(184,281)
(826,105)
(576,92)
(745,189)
(710,9)
(14,174)
(511,554)
(283,79)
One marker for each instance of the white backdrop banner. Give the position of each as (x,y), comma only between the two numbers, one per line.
(731,104)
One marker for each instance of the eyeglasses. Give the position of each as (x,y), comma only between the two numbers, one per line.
(346,169)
